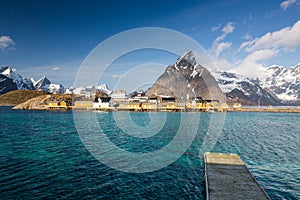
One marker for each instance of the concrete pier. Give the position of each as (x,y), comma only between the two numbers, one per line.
(227,177)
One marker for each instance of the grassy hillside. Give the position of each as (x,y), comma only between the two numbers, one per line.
(41,102)
(16,97)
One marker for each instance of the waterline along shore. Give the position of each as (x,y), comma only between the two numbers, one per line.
(273,109)
(183,109)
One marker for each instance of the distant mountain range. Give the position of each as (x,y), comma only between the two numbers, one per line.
(186,78)
(278,86)
(284,83)
(89,90)
(241,89)
(10,80)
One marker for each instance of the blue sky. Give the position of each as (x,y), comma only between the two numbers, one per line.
(52,38)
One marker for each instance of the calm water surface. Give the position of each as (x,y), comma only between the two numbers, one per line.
(42,156)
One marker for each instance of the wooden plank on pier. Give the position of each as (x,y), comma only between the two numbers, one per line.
(227,177)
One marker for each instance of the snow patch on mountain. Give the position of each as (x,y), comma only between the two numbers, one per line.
(230,81)
(22,83)
(29,84)
(284,83)
(246,90)
(45,84)
(88,90)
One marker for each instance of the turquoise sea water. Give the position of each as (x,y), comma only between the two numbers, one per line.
(42,156)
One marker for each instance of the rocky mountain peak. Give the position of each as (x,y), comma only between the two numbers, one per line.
(11,80)
(10,73)
(20,82)
(5,70)
(185,79)
(45,84)
(42,82)
(188,56)
(186,65)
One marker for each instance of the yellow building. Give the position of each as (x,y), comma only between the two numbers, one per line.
(83,104)
(52,104)
(171,105)
(237,106)
(149,106)
(135,105)
(63,104)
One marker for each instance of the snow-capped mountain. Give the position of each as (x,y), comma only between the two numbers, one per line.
(21,83)
(186,79)
(103,88)
(277,85)
(284,83)
(10,80)
(242,89)
(45,84)
(89,90)
(41,83)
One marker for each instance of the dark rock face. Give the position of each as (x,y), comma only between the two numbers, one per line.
(6,84)
(26,85)
(253,98)
(185,80)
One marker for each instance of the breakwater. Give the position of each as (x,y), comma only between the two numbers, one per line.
(272,109)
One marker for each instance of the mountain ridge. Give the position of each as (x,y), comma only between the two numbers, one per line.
(279,84)
(10,80)
(283,82)
(239,88)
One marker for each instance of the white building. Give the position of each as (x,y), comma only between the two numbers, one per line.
(118,94)
(103,102)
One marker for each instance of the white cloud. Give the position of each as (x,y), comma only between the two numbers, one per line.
(116,76)
(221,47)
(223,64)
(56,68)
(251,66)
(287,3)
(6,42)
(229,28)
(268,46)
(286,38)
(256,51)
(218,46)
(246,44)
